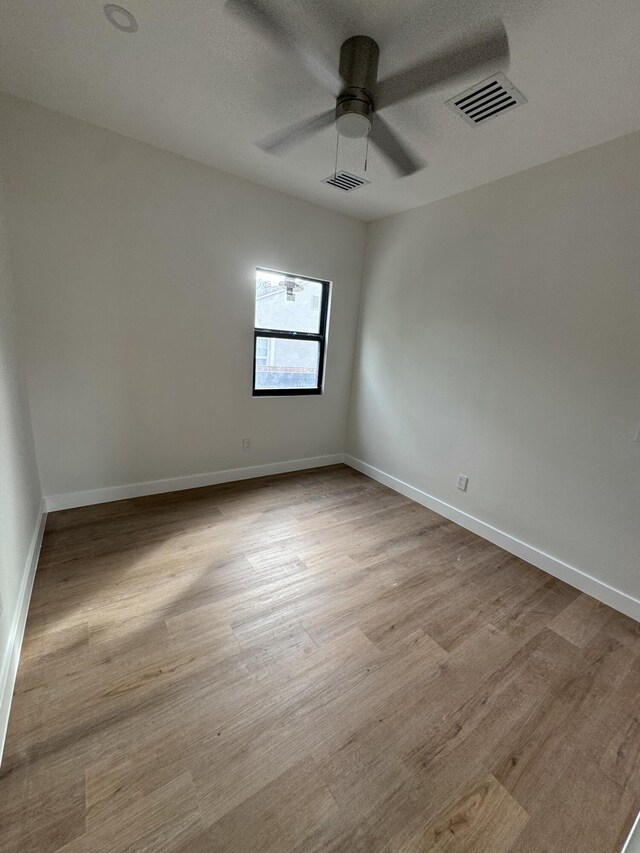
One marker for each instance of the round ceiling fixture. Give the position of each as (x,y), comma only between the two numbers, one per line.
(121,18)
(353,116)
(353,125)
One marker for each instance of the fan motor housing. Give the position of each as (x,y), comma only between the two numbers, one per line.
(359,69)
(359,64)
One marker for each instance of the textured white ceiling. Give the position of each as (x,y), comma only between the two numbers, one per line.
(195,81)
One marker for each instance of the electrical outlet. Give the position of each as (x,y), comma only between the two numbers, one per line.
(463,482)
(246,444)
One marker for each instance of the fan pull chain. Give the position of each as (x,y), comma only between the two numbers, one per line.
(335,170)
(366,151)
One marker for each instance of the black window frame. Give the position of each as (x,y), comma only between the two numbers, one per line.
(320,337)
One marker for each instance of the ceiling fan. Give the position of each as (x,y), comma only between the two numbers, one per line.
(360,96)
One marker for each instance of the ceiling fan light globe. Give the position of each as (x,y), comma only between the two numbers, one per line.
(353,125)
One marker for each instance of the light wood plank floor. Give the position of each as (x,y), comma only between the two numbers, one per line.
(313,662)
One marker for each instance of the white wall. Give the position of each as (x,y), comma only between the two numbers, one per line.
(500,338)
(19,485)
(136,277)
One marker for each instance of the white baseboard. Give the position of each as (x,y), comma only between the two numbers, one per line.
(11,657)
(193,481)
(632,844)
(552,565)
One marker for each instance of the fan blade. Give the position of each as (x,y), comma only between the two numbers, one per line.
(400,157)
(296,132)
(485,47)
(267,22)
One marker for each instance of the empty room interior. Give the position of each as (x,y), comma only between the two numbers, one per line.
(320,426)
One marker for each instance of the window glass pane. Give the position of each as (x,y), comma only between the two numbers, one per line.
(289,364)
(262,350)
(286,303)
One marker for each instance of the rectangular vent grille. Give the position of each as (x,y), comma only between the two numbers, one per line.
(486,100)
(345,181)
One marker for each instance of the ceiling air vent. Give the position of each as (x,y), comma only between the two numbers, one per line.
(345,181)
(486,100)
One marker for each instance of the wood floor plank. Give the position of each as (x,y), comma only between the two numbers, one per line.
(13,803)
(279,728)
(363,769)
(612,740)
(160,822)
(580,808)
(47,810)
(500,702)
(582,620)
(545,744)
(484,818)
(312,662)
(115,782)
(279,816)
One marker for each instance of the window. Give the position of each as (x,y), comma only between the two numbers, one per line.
(290,334)
(262,351)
